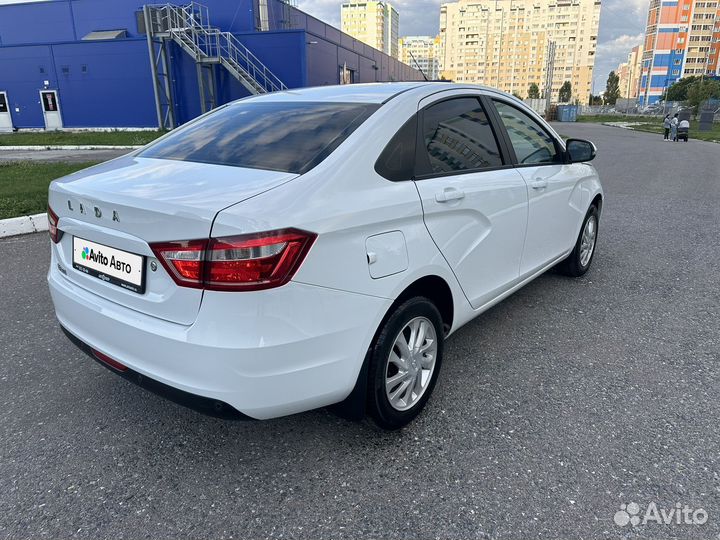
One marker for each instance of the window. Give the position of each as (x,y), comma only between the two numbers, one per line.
(280,136)
(458,137)
(397,161)
(532,144)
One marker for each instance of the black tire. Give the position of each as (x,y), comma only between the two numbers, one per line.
(379,407)
(573,266)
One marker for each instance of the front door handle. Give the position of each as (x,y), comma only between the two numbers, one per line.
(449,194)
(539,183)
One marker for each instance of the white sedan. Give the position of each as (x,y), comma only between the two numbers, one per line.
(315,247)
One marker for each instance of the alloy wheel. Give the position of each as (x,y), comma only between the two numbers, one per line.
(587,242)
(411,364)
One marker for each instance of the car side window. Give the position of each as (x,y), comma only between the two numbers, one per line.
(397,161)
(532,144)
(457,136)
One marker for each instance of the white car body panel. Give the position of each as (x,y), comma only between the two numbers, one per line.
(481,235)
(269,355)
(549,232)
(300,346)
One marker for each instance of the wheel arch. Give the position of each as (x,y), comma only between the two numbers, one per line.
(434,288)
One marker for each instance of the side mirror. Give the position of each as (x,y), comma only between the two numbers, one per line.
(580,151)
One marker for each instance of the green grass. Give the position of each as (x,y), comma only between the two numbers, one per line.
(24,185)
(48,138)
(651,124)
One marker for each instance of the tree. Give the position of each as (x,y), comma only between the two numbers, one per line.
(565,92)
(612,89)
(702,90)
(595,100)
(679,90)
(533,91)
(517,95)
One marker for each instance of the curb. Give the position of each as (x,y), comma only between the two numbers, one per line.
(23,225)
(621,125)
(69,147)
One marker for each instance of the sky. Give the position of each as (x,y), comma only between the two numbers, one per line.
(622,26)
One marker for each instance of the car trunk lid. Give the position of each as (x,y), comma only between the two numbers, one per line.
(129,203)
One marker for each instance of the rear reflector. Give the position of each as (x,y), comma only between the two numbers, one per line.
(248,262)
(105,359)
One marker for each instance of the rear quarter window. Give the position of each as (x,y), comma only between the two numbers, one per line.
(289,137)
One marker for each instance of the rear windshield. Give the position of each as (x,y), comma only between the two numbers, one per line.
(290,137)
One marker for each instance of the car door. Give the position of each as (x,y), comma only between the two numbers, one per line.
(474,201)
(552,220)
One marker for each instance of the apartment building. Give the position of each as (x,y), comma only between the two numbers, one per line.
(682,39)
(510,44)
(374,23)
(421,52)
(629,73)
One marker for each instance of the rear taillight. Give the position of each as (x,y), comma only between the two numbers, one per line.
(55,233)
(249,262)
(184,261)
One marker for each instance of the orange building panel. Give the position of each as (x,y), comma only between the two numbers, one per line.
(666,41)
(652,17)
(649,42)
(670,15)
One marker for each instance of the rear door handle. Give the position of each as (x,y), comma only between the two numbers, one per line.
(449,194)
(539,183)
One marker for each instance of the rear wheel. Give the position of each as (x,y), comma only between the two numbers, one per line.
(582,255)
(404,363)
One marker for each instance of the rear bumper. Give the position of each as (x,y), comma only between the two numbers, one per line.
(210,407)
(257,354)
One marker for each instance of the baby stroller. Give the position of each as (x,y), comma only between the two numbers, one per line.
(683,131)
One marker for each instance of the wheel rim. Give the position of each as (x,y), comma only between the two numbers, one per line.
(587,241)
(411,364)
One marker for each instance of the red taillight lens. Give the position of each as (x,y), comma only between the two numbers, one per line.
(254,262)
(238,263)
(55,233)
(184,261)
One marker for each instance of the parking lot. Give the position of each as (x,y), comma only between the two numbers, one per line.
(565,401)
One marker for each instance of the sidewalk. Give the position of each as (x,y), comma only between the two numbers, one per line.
(68,154)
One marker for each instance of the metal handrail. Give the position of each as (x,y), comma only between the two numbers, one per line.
(189,25)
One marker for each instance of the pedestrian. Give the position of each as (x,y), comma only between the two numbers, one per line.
(673,128)
(666,126)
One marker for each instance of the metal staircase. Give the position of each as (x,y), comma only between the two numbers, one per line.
(188,26)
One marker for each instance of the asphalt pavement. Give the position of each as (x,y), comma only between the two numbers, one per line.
(566,401)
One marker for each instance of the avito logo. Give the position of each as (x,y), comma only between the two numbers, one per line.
(94,256)
(98,257)
(632,514)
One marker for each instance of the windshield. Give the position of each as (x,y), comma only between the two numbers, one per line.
(290,137)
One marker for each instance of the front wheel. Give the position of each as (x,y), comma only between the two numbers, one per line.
(582,255)
(404,363)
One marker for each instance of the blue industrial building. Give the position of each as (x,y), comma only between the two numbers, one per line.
(93,63)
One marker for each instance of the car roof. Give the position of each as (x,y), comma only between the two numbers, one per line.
(360,93)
